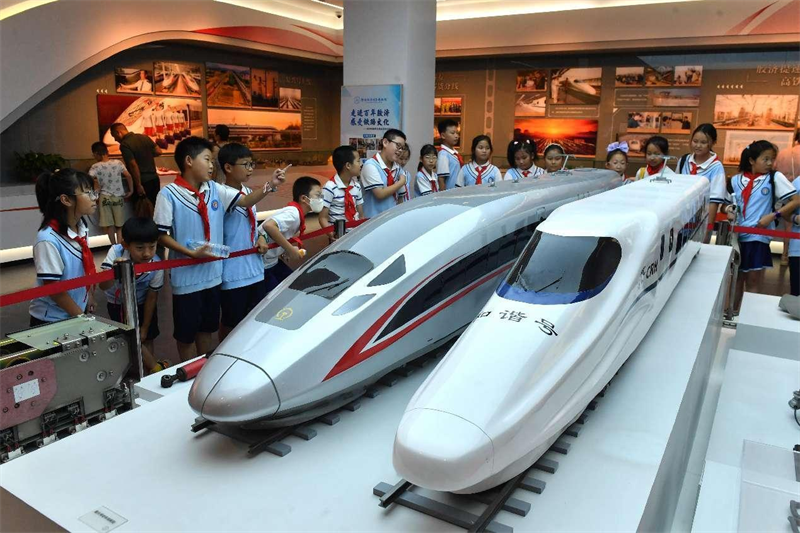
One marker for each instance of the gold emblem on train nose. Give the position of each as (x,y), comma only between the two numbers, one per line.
(284,313)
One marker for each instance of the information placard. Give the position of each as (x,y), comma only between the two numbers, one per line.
(367,112)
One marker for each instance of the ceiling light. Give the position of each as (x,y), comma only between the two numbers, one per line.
(19,7)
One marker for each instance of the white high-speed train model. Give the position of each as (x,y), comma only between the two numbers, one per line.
(576,304)
(395,288)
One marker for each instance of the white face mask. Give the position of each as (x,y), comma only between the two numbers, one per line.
(316,205)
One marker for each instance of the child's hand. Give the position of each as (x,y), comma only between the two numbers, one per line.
(128,195)
(279,176)
(203,252)
(90,303)
(294,253)
(766,220)
(402,180)
(262,246)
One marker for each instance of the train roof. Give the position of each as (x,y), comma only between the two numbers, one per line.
(401,225)
(645,201)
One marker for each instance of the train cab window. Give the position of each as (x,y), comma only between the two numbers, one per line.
(332,273)
(391,273)
(559,270)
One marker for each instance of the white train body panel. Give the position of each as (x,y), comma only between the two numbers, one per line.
(507,389)
(375,299)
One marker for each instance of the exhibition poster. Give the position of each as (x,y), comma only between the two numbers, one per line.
(367,112)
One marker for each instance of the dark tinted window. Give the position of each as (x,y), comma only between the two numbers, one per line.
(331,274)
(559,270)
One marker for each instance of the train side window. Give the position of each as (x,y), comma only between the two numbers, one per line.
(476,265)
(391,273)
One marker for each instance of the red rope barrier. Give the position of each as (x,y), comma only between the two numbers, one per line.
(19,209)
(63,286)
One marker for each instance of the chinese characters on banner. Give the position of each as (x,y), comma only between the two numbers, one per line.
(367,112)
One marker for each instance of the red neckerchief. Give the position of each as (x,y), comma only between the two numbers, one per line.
(655,170)
(458,156)
(525,173)
(693,166)
(480,171)
(302,223)
(202,208)
(748,190)
(252,219)
(434,181)
(86,253)
(349,201)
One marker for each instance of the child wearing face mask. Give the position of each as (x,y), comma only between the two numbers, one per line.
(655,149)
(480,170)
(617,158)
(283,227)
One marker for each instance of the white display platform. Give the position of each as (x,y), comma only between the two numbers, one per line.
(150,389)
(752,406)
(623,472)
(763,328)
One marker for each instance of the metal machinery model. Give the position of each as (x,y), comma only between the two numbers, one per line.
(57,378)
(578,301)
(397,287)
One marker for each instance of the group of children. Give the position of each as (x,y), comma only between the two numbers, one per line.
(217,295)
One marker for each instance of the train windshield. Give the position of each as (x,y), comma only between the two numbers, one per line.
(331,274)
(561,270)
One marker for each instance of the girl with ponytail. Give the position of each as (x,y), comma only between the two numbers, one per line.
(61,251)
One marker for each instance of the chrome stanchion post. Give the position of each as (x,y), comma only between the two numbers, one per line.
(123,273)
(340,228)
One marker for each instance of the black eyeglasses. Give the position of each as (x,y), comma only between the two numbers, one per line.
(248,166)
(400,146)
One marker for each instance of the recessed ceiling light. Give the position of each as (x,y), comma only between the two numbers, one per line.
(19,7)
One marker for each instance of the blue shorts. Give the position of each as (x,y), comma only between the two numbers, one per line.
(196,312)
(756,255)
(236,303)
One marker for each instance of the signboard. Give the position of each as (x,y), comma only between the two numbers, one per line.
(367,112)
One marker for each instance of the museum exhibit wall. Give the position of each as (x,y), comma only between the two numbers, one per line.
(68,121)
(759,86)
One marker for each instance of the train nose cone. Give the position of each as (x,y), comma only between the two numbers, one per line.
(233,391)
(441,451)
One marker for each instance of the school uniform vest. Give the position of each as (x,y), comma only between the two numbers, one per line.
(372,205)
(515,173)
(470,173)
(453,167)
(143,281)
(45,308)
(794,244)
(709,171)
(247,269)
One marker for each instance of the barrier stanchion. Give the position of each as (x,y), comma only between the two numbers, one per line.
(124,274)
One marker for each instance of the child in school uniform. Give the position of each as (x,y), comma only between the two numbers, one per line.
(655,148)
(381,178)
(403,157)
(61,251)
(139,240)
(450,161)
(553,158)
(794,247)
(427,181)
(702,161)
(521,157)
(617,158)
(341,196)
(108,176)
(284,228)
(192,209)
(479,170)
(242,277)
(755,192)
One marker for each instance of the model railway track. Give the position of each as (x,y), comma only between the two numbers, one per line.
(496,499)
(271,440)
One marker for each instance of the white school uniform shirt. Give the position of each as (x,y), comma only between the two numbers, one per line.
(176,214)
(374,176)
(759,203)
(448,166)
(426,183)
(245,270)
(333,194)
(149,281)
(533,172)
(288,221)
(58,258)
(468,175)
(405,191)
(794,244)
(644,172)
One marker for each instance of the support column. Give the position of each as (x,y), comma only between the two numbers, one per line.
(394,42)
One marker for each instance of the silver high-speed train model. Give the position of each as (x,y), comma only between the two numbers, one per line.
(395,288)
(576,304)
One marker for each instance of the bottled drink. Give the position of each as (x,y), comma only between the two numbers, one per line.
(217,249)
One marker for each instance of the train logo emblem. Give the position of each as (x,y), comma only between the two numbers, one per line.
(547,327)
(284,313)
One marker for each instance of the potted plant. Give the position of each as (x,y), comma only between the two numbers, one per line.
(29,165)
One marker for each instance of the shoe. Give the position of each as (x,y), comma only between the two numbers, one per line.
(160,365)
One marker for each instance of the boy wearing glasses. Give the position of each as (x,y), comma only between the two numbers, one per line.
(381,178)
(242,277)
